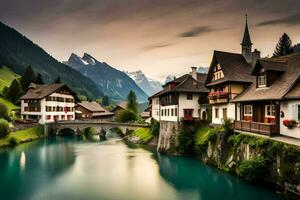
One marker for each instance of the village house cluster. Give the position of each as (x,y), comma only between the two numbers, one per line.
(259,95)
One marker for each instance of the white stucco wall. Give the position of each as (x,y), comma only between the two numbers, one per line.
(155,108)
(288,108)
(230,113)
(169,118)
(185,103)
(45,103)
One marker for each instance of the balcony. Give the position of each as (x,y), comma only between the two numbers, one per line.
(269,129)
(218,97)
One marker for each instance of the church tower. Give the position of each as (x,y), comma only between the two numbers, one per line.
(247,44)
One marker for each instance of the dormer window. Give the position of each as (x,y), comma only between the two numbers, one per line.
(262,81)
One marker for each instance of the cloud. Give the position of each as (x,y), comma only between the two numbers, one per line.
(196,31)
(288,20)
(156,46)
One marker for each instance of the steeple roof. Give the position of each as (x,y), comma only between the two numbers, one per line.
(246,39)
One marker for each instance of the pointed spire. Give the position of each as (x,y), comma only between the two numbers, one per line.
(246,39)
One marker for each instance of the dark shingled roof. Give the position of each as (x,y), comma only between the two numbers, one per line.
(234,66)
(187,83)
(92,106)
(36,91)
(286,86)
(269,65)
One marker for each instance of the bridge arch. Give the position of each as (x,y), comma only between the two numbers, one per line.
(66,131)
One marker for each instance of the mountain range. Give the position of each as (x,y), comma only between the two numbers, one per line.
(18,52)
(112,82)
(149,85)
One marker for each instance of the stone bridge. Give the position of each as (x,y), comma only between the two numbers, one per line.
(100,126)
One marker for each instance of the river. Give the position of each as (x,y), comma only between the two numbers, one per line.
(66,168)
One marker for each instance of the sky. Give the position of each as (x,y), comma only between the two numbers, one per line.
(159,37)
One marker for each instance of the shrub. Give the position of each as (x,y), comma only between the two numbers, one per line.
(252,169)
(4,128)
(89,133)
(187,138)
(154,129)
(12,141)
(227,126)
(4,112)
(126,116)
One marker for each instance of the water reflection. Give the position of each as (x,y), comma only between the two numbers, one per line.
(25,168)
(206,183)
(22,160)
(64,168)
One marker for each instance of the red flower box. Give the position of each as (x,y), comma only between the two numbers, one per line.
(289,123)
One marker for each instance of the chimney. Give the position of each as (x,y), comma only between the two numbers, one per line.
(255,56)
(194,72)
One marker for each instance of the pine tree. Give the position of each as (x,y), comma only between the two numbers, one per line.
(39,79)
(284,46)
(57,80)
(105,100)
(14,92)
(27,78)
(131,101)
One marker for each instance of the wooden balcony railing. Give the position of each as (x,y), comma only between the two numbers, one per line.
(256,127)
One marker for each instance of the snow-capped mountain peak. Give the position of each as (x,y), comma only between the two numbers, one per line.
(150,86)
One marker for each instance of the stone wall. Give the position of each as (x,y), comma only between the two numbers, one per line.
(282,166)
(167,136)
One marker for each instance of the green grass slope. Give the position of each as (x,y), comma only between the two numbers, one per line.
(6,77)
(22,136)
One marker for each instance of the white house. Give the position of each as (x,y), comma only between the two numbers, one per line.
(48,103)
(182,99)
(271,105)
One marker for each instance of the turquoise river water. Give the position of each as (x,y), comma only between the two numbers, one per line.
(64,168)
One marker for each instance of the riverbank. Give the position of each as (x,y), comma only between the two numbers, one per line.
(253,158)
(22,136)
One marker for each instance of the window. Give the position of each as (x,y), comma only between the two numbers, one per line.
(189,96)
(172,112)
(175,111)
(216,112)
(168,112)
(247,110)
(270,111)
(262,81)
(188,114)
(162,112)
(62,117)
(48,117)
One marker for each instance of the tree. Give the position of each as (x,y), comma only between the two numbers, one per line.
(14,92)
(105,100)
(131,102)
(39,79)
(126,116)
(4,112)
(4,128)
(57,80)
(27,78)
(5,91)
(284,46)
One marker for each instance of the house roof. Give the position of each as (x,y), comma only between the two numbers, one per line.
(122,105)
(145,114)
(92,106)
(186,83)
(234,66)
(36,91)
(286,86)
(269,65)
